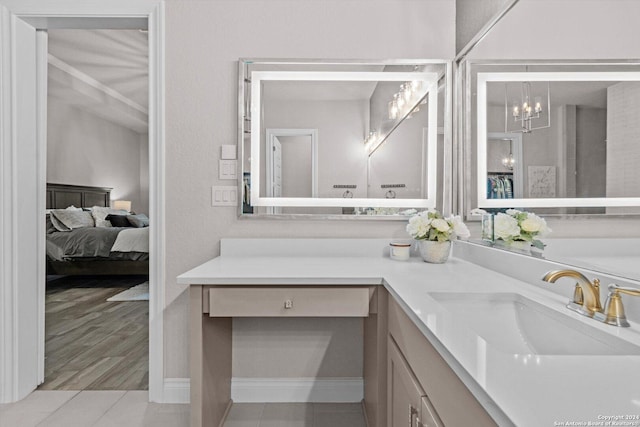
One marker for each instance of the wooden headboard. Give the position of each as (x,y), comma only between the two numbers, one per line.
(60,196)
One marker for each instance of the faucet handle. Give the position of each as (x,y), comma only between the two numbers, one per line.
(614,310)
(578,295)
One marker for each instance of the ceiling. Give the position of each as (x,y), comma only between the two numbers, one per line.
(103,71)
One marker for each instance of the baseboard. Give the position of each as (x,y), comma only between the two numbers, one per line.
(176,390)
(335,390)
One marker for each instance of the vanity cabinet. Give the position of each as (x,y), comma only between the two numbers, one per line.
(406,381)
(407,403)
(421,384)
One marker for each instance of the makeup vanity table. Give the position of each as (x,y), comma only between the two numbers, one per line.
(421,364)
(211,333)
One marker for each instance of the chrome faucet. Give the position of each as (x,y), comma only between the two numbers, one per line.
(586,295)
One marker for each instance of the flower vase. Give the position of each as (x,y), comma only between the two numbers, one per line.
(433,251)
(518,246)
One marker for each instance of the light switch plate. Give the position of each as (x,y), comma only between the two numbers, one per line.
(224,195)
(228,152)
(227,169)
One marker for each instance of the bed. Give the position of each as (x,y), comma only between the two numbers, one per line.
(80,242)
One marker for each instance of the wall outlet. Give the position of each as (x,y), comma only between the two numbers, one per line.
(227,169)
(224,195)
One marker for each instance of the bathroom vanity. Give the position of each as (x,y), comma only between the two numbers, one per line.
(451,344)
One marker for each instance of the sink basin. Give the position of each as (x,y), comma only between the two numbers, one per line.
(515,324)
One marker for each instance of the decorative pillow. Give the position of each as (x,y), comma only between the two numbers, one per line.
(70,219)
(49,225)
(118,220)
(100,213)
(139,221)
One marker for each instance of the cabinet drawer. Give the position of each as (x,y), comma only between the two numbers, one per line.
(289,301)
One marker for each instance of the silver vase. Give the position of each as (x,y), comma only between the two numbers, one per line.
(433,251)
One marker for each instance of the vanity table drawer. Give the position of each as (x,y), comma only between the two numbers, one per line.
(289,301)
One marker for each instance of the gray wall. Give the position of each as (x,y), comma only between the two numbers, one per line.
(342,127)
(472,15)
(83,149)
(622,153)
(204,41)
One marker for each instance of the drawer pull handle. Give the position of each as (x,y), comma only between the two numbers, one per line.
(288,304)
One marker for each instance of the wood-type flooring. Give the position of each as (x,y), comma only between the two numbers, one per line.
(93,344)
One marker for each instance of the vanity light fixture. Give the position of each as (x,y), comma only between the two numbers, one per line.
(404,99)
(370,141)
(393,108)
(528,108)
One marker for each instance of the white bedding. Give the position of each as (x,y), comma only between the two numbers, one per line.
(132,240)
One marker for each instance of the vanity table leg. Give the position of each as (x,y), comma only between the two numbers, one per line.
(210,362)
(375,359)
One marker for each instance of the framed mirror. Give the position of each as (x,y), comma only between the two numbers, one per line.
(569,129)
(342,138)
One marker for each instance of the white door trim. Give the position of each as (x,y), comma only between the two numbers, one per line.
(313,133)
(41,76)
(37,12)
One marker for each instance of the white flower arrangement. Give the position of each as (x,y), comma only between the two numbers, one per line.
(431,225)
(515,225)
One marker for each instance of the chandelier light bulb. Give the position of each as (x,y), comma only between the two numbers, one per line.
(509,162)
(538,104)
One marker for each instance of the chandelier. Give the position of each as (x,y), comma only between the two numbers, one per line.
(530,111)
(509,161)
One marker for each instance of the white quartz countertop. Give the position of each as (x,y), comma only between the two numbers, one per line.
(515,389)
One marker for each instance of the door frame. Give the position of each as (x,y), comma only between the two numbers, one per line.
(274,133)
(16,342)
(516,145)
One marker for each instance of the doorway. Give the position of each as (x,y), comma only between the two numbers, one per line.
(97,144)
(23,180)
(291,165)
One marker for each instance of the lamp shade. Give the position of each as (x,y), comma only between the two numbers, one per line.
(122,204)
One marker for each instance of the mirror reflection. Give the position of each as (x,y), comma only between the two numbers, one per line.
(558,139)
(340,139)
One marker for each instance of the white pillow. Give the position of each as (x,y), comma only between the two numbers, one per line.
(70,219)
(99,214)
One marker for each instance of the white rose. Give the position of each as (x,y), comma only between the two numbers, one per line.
(530,225)
(505,226)
(459,227)
(512,212)
(535,224)
(441,225)
(418,226)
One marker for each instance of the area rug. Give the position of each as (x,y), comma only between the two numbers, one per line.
(137,293)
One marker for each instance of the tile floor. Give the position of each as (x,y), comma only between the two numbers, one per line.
(87,408)
(61,408)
